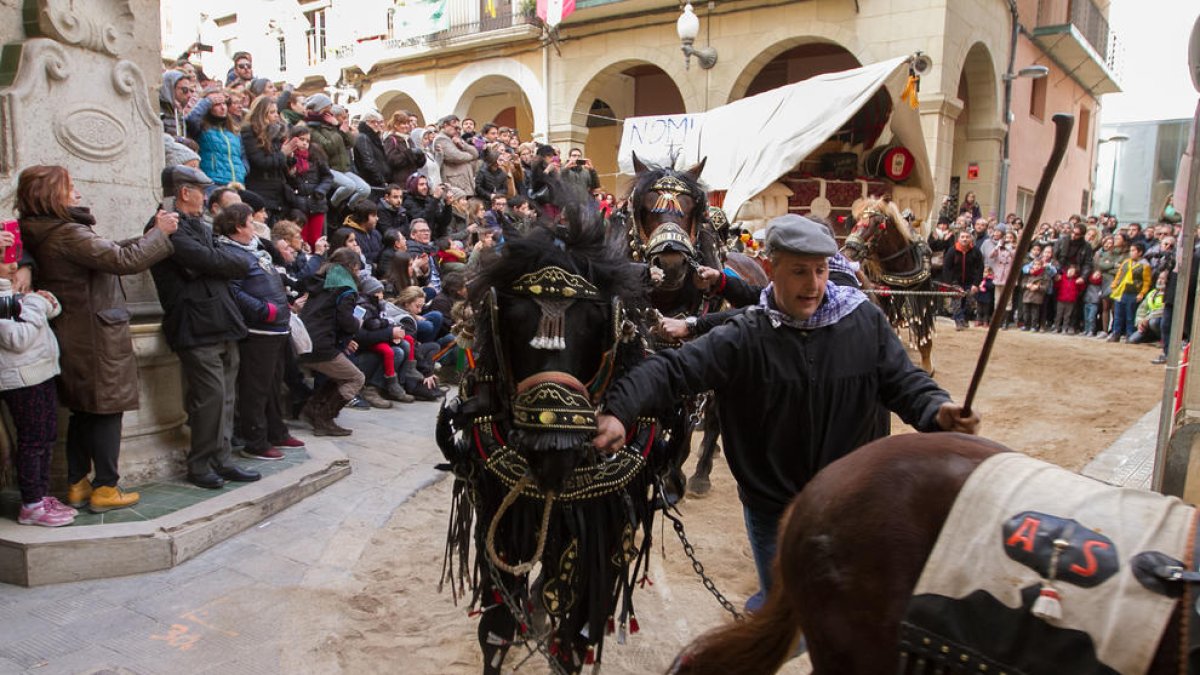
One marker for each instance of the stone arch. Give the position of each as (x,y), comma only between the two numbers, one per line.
(588,83)
(781,41)
(499,78)
(978,129)
(622,89)
(979,74)
(391,101)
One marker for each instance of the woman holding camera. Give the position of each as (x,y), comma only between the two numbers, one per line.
(99,371)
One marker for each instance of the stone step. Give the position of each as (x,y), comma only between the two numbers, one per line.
(164,533)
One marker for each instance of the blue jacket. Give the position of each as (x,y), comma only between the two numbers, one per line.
(222,157)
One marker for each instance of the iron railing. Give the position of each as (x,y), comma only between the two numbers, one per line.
(1084,15)
(466,18)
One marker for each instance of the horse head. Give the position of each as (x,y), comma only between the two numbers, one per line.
(879,231)
(669,209)
(552,328)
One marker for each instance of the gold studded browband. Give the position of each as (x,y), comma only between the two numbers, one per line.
(555,282)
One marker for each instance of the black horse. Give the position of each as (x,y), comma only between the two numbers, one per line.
(669,230)
(550,334)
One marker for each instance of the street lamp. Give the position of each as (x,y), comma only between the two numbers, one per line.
(1032,73)
(688,27)
(1112,183)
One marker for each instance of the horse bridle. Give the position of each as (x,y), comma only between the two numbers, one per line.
(669,232)
(555,400)
(877,222)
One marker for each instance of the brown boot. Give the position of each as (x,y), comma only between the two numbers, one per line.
(324,425)
(372,396)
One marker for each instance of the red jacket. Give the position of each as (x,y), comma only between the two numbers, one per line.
(1067,289)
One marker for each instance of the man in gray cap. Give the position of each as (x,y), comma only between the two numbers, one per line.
(202,325)
(801,380)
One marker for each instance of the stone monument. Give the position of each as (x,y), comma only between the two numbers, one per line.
(78,88)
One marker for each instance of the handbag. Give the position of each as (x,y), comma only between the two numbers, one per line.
(301,341)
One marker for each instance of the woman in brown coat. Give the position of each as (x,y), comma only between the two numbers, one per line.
(99,372)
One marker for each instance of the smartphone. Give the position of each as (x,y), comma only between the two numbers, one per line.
(13,253)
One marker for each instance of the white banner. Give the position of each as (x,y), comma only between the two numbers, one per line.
(752,142)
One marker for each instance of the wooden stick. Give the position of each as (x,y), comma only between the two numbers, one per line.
(1063,123)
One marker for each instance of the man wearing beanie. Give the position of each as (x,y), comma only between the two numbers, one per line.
(801,380)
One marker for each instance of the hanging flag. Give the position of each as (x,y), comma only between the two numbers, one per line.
(554,11)
(491,8)
(414,18)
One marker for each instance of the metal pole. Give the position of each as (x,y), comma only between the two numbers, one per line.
(1112,183)
(1008,83)
(1171,464)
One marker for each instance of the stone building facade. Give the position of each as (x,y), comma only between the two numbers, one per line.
(612,59)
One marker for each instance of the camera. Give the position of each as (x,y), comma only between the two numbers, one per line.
(10,307)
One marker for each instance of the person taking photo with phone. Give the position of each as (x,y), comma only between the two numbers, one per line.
(99,370)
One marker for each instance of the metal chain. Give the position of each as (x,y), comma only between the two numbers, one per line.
(886,291)
(698,566)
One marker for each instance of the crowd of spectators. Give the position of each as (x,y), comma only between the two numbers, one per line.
(1085,276)
(305,260)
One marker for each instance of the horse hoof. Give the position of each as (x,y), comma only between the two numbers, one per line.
(699,486)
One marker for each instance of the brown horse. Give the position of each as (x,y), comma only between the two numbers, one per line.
(895,257)
(670,231)
(852,547)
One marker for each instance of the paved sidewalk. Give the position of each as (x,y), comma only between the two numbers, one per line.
(1129,461)
(228,610)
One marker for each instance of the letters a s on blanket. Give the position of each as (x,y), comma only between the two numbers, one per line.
(1033,572)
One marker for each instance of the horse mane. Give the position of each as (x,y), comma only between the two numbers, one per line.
(643,182)
(886,206)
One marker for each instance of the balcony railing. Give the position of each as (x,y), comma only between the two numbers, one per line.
(1084,15)
(466,18)
(316,45)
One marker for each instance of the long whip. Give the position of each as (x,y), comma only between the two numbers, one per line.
(1063,123)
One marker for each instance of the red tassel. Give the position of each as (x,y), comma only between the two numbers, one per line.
(474,613)
(496,597)
(612,626)
(590,658)
(554,648)
(633,624)
(646,581)
(524,629)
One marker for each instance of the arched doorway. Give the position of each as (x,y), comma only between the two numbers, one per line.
(392,101)
(978,132)
(621,90)
(499,100)
(790,62)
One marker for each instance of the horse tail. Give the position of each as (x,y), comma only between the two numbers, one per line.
(760,643)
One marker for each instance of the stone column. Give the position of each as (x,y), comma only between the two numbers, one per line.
(938,117)
(71,95)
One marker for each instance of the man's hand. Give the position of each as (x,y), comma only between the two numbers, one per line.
(610,434)
(674,329)
(949,418)
(351,347)
(397,333)
(706,277)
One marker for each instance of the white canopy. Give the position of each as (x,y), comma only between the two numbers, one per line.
(752,142)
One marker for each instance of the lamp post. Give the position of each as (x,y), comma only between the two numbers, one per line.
(1030,72)
(688,27)
(1112,183)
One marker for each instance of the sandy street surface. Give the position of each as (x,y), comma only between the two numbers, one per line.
(1059,398)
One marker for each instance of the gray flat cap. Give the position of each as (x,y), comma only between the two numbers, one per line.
(447,120)
(317,102)
(182,174)
(797,234)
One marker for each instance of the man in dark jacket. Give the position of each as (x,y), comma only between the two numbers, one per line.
(391,211)
(202,325)
(370,159)
(796,377)
(962,266)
